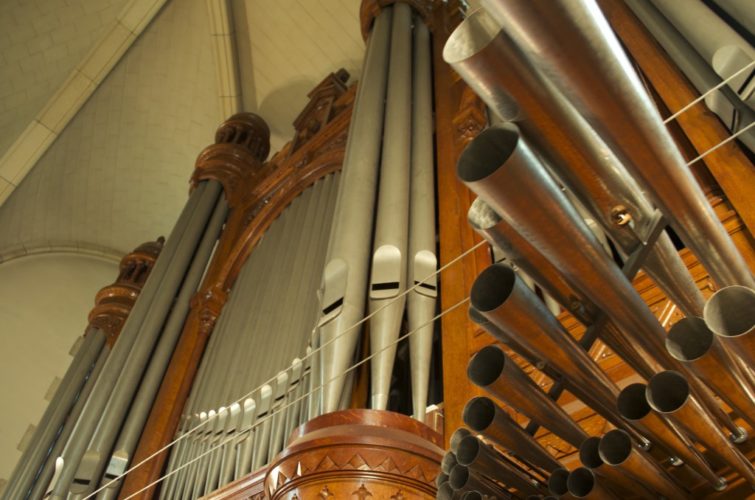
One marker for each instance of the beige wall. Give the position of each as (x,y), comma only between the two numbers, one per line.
(44,302)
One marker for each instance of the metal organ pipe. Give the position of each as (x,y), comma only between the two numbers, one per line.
(582,483)
(502,169)
(344,278)
(388,270)
(612,477)
(572,45)
(480,51)
(422,260)
(730,314)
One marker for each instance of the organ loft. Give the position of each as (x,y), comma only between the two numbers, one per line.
(509,255)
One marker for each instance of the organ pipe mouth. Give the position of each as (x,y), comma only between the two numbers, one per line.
(468,450)
(457,436)
(557,482)
(479,413)
(689,339)
(581,482)
(588,453)
(442,478)
(492,287)
(486,366)
(471,36)
(667,391)
(459,477)
(448,463)
(632,402)
(490,149)
(730,312)
(615,447)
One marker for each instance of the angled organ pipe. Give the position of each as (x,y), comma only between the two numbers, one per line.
(344,280)
(111,372)
(616,449)
(572,45)
(502,169)
(422,260)
(669,393)
(730,314)
(482,415)
(633,406)
(495,372)
(557,482)
(462,480)
(612,477)
(582,483)
(691,342)
(388,270)
(488,60)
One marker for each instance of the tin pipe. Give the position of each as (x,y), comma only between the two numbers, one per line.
(582,483)
(573,45)
(388,270)
(557,482)
(669,393)
(445,492)
(448,462)
(482,415)
(616,449)
(456,438)
(730,314)
(691,342)
(502,169)
(245,447)
(423,262)
(492,370)
(344,280)
(462,479)
(633,406)
(479,51)
(612,477)
(483,460)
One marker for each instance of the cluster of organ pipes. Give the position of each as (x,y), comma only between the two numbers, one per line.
(576,114)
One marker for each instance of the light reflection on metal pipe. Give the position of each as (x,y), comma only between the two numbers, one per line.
(730,314)
(612,477)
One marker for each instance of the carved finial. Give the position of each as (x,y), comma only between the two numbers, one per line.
(247,130)
(362,492)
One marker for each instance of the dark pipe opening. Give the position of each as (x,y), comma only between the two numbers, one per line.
(689,339)
(615,447)
(458,477)
(632,402)
(445,492)
(581,482)
(557,482)
(457,436)
(486,366)
(468,450)
(731,311)
(479,413)
(448,463)
(487,152)
(472,495)
(442,478)
(492,287)
(588,453)
(667,391)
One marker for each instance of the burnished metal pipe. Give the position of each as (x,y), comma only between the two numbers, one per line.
(456,438)
(633,406)
(449,462)
(462,479)
(616,449)
(482,415)
(502,169)
(582,483)
(669,393)
(690,341)
(557,482)
(487,58)
(730,314)
(573,45)
(495,372)
(483,460)
(611,477)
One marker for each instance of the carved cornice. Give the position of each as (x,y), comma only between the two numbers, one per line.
(114,302)
(370,9)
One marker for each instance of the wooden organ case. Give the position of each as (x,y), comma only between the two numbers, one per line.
(260,285)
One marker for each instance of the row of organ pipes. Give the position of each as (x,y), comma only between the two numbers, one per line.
(561,183)
(578,131)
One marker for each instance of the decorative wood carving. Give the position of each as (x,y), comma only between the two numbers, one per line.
(320,109)
(257,193)
(114,302)
(357,454)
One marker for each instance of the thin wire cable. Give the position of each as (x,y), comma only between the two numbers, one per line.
(305,357)
(728,139)
(709,92)
(287,405)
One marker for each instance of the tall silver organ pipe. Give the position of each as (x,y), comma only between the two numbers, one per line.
(725,102)
(488,60)
(422,260)
(344,278)
(502,169)
(270,324)
(573,46)
(200,201)
(388,271)
(58,412)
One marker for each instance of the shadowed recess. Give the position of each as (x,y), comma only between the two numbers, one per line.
(490,149)
(492,287)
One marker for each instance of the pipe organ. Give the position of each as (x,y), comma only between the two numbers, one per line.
(263,357)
